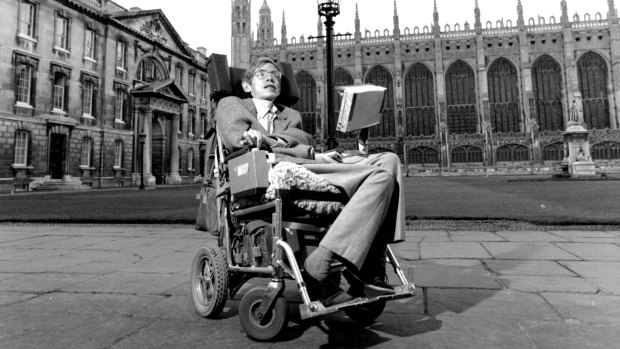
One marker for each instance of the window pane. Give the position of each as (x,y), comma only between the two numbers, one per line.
(59,92)
(89,49)
(88,99)
(21,148)
(62,33)
(119,104)
(26,19)
(24,78)
(85,161)
(118,153)
(121,50)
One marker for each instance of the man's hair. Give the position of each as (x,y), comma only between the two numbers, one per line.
(256,65)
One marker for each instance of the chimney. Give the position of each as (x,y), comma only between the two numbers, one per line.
(135,9)
(202,50)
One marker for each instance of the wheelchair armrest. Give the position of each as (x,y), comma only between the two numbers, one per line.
(297,194)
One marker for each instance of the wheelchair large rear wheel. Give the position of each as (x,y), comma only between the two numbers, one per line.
(209,281)
(274,322)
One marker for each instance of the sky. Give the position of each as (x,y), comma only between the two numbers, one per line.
(206,23)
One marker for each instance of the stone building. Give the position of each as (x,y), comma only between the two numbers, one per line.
(81,81)
(485,97)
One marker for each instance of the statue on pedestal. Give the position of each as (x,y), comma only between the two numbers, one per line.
(576,111)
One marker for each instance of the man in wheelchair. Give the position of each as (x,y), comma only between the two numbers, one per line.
(374,214)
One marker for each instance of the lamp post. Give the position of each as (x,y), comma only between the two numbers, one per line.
(330,9)
(142,141)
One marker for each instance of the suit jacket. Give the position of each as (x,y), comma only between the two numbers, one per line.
(234,115)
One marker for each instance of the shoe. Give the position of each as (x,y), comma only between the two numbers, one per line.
(327,292)
(370,288)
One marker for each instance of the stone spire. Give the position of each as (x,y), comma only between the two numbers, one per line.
(396,24)
(520,19)
(564,19)
(478,23)
(283,39)
(265,25)
(436,28)
(612,15)
(358,32)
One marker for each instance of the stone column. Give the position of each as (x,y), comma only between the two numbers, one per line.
(147,128)
(173,177)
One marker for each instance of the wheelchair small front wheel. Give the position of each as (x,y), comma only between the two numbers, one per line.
(209,281)
(266,326)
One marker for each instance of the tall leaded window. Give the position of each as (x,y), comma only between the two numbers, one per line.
(466,154)
(593,78)
(606,151)
(148,71)
(513,153)
(380,76)
(190,158)
(120,102)
(121,55)
(27,18)
(553,152)
(203,88)
(191,84)
(87,98)
(21,148)
(85,158)
(307,101)
(118,153)
(419,101)
(547,86)
(59,93)
(191,116)
(504,96)
(178,74)
(24,83)
(61,34)
(90,44)
(423,156)
(461,98)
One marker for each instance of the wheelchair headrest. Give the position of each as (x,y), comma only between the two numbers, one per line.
(226,81)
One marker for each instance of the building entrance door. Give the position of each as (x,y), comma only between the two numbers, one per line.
(158,154)
(57,155)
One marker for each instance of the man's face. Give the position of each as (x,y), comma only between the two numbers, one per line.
(268,87)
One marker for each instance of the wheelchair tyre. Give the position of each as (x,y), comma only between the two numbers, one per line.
(276,319)
(209,281)
(366,313)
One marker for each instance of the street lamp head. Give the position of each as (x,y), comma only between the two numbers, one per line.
(328,8)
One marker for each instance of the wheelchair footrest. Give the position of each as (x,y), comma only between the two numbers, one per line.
(316,308)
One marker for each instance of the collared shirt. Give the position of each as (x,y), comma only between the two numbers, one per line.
(265,113)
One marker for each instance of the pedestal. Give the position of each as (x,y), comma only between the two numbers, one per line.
(582,169)
(578,157)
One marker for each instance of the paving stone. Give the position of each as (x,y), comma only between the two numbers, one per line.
(498,303)
(548,284)
(591,309)
(526,267)
(593,251)
(62,330)
(128,283)
(8,298)
(450,273)
(46,282)
(475,236)
(431,250)
(594,269)
(530,236)
(527,250)
(608,285)
(576,235)
(563,335)
(36,241)
(174,262)
(407,251)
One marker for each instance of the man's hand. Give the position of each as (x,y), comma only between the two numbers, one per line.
(331,157)
(255,138)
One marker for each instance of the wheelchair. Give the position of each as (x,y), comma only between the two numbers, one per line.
(265,239)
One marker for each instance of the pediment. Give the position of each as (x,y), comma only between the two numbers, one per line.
(154,25)
(165,88)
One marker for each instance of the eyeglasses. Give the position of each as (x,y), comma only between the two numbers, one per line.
(263,74)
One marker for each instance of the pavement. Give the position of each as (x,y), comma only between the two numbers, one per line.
(127,286)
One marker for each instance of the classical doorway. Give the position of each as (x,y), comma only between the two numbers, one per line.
(158,153)
(57,155)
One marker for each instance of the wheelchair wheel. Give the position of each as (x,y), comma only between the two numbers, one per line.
(275,321)
(209,281)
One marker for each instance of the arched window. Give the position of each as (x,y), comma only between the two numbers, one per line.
(380,76)
(606,151)
(592,72)
(423,156)
(547,85)
(466,154)
(419,101)
(341,78)
(461,98)
(553,152)
(307,102)
(148,71)
(513,153)
(504,96)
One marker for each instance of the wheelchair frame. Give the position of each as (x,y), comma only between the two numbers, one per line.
(264,314)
